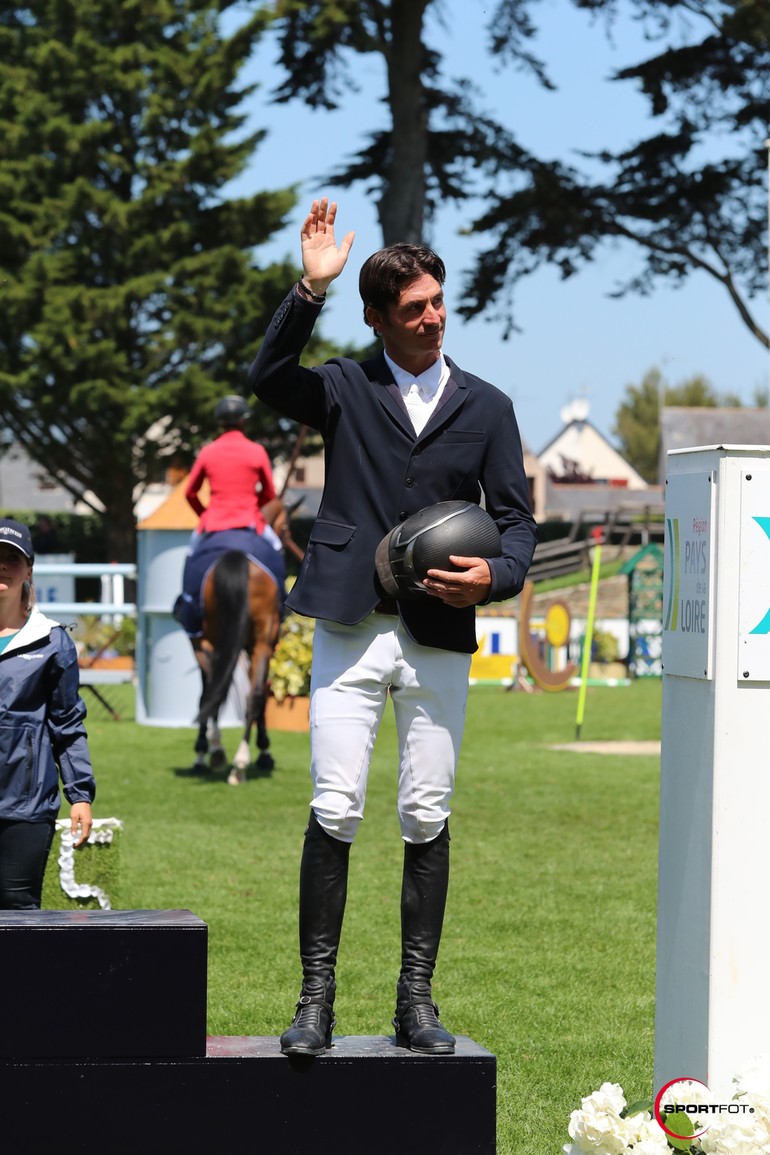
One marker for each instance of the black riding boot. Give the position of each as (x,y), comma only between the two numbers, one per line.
(323,881)
(423,899)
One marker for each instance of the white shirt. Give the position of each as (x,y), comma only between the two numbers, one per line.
(421,394)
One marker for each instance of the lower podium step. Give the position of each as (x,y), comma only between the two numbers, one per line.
(364,1097)
(101,983)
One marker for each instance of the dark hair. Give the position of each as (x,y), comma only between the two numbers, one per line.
(387,272)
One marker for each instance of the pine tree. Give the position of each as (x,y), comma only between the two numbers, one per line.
(689,198)
(129,295)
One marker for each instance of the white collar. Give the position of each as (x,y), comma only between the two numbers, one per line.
(37,626)
(428,383)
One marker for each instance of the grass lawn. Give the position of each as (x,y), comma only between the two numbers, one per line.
(548,954)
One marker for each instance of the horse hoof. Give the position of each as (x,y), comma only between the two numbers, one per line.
(236,777)
(218,759)
(265,762)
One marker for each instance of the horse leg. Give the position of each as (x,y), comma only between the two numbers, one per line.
(237,775)
(265,760)
(208,743)
(201,742)
(258,635)
(217,755)
(201,750)
(255,713)
(258,704)
(242,757)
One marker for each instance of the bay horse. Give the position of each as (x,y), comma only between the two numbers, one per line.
(241,615)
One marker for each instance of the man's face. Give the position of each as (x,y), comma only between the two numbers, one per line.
(412,329)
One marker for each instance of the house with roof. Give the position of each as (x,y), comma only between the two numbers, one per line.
(25,485)
(586,476)
(685,427)
(536,482)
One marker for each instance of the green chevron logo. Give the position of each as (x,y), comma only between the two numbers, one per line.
(673,547)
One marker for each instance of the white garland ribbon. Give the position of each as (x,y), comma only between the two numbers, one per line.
(102,833)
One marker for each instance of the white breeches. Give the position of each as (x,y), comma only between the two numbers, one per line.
(355,668)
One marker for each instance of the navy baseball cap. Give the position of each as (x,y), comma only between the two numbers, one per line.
(15,534)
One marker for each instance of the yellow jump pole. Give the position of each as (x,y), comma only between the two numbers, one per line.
(587,640)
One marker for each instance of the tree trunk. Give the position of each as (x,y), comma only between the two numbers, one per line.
(401,209)
(120,537)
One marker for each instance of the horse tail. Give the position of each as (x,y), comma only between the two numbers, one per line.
(231,590)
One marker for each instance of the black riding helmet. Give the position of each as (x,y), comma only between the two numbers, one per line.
(231,410)
(426,539)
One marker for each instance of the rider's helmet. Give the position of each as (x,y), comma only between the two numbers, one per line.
(426,539)
(230,411)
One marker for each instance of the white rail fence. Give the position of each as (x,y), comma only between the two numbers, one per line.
(112,606)
(113,577)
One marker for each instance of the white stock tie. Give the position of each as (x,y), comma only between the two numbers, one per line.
(416,408)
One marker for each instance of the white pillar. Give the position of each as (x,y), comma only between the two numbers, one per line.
(168,686)
(713,951)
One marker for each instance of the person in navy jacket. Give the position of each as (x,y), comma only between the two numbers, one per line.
(402,431)
(42,733)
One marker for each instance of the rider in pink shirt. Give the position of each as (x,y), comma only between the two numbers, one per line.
(240,481)
(238,472)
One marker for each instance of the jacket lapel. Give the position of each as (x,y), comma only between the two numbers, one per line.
(453,396)
(389,393)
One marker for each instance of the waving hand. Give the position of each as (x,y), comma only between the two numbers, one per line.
(322,259)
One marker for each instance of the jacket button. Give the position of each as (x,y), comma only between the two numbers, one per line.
(409,482)
(403,515)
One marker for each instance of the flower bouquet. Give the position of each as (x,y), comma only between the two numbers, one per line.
(290,664)
(739,1124)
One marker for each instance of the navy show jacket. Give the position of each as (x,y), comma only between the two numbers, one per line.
(378,472)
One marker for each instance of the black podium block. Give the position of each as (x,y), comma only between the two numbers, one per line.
(103,1043)
(364,1097)
(102,984)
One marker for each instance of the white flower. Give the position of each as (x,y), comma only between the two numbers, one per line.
(747,1132)
(649,1138)
(609,1099)
(597,1128)
(761,1104)
(754,1077)
(737,1135)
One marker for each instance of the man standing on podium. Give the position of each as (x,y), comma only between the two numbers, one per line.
(402,432)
